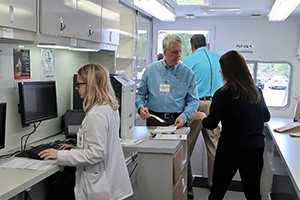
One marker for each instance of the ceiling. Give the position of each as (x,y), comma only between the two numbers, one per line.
(216,8)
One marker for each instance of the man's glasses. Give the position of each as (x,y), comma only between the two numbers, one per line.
(77,84)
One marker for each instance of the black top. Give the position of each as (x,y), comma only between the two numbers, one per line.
(242,122)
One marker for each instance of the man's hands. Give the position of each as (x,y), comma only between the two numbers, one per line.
(144,112)
(179,122)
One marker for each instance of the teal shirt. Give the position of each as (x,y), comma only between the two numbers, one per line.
(182,97)
(206,67)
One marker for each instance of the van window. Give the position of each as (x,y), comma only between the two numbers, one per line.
(274,80)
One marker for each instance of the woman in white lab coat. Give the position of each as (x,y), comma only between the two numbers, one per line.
(101,172)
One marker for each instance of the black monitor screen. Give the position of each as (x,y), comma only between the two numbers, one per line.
(37,101)
(2,124)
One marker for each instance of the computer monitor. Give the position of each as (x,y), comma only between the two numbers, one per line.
(2,124)
(37,101)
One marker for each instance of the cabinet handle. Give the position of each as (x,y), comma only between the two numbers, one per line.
(91,32)
(62,24)
(11,14)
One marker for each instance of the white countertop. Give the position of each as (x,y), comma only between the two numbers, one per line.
(288,148)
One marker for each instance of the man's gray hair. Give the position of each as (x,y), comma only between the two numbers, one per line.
(170,38)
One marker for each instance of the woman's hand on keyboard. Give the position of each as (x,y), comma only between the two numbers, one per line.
(66,147)
(48,154)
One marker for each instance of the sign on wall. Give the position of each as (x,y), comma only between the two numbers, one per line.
(21,64)
(47,67)
(245,47)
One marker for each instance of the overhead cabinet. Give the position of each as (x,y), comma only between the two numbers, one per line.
(17,19)
(110,22)
(80,19)
(18,14)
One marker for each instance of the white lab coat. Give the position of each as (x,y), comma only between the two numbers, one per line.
(101,172)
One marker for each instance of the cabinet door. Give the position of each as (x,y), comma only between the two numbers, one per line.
(18,14)
(56,17)
(87,23)
(110,21)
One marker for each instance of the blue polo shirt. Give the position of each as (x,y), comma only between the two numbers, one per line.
(181,97)
(206,67)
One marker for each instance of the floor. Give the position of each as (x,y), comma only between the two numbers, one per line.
(202,194)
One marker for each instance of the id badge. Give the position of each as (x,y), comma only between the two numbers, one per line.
(164,88)
(80,140)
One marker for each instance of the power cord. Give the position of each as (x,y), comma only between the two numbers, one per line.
(26,136)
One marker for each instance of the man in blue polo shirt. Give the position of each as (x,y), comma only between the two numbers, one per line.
(206,67)
(168,90)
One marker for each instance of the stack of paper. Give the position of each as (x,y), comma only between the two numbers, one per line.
(169,137)
(164,129)
(26,163)
(130,142)
(287,127)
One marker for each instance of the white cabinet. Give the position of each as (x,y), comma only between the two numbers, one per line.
(80,19)
(18,14)
(110,22)
(57,17)
(87,21)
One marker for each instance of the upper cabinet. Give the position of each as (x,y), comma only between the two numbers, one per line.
(56,17)
(80,19)
(88,20)
(18,14)
(110,22)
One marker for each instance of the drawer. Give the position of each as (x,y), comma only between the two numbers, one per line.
(180,189)
(179,163)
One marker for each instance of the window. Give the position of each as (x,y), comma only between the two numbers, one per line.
(143,50)
(274,80)
(185,37)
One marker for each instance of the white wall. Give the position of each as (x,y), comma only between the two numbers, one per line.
(273,41)
(66,63)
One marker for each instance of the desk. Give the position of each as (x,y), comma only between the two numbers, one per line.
(161,169)
(15,181)
(289,150)
(162,166)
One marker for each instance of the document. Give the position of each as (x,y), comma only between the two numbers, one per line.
(164,129)
(169,137)
(287,127)
(26,163)
(130,142)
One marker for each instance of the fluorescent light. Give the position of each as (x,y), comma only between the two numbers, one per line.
(224,9)
(281,9)
(82,49)
(157,9)
(53,46)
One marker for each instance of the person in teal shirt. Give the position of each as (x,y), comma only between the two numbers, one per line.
(206,67)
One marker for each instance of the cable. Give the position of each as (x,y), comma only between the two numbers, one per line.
(26,136)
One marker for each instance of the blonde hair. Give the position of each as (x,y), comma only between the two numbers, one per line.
(98,87)
(169,39)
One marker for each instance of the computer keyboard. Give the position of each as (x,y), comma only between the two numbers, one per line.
(34,151)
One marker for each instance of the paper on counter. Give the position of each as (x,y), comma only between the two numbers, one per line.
(130,142)
(26,163)
(169,137)
(164,129)
(157,118)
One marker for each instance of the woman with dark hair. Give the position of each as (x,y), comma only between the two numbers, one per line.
(239,105)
